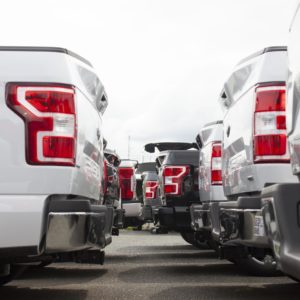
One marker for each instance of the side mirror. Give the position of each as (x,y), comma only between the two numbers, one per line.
(224,100)
(157,165)
(117,162)
(104,144)
(157,169)
(101,104)
(199,141)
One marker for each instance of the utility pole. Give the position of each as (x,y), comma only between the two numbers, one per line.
(128,146)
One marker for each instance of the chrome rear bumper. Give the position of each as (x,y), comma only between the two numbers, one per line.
(76,230)
(241,223)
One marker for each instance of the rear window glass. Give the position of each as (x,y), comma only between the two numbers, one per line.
(143,167)
(151,176)
(185,157)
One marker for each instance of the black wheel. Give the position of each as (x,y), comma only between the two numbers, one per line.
(293,278)
(212,244)
(259,265)
(15,271)
(5,279)
(190,237)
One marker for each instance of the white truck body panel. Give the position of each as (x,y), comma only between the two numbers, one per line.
(133,208)
(281,201)
(17,177)
(293,90)
(208,192)
(25,188)
(240,173)
(21,220)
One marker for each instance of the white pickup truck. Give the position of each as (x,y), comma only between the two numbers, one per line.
(51,106)
(281,207)
(254,155)
(130,202)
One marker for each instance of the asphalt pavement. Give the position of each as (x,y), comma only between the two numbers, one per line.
(140,265)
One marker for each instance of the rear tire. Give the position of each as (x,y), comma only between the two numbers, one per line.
(293,278)
(15,271)
(190,237)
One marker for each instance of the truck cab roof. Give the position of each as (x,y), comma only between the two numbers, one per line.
(145,167)
(52,65)
(211,132)
(45,49)
(263,51)
(266,65)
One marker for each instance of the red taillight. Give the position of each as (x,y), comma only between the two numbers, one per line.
(270,145)
(55,146)
(151,188)
(270,141)
(281,122)
(50,121)
(126,183)
(51,100)
(173,178)
(270,98)
(216,163)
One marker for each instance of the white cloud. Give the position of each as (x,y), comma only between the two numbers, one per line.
(163,62)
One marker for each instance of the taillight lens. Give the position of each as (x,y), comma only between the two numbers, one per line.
(151,188)
(126,183)
(270,141)
(216,164)
(50,121)
(173,178)
(270,145)
(270,98)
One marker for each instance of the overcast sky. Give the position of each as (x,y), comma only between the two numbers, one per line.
(163,62)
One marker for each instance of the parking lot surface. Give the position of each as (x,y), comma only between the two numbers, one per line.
(140,265)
